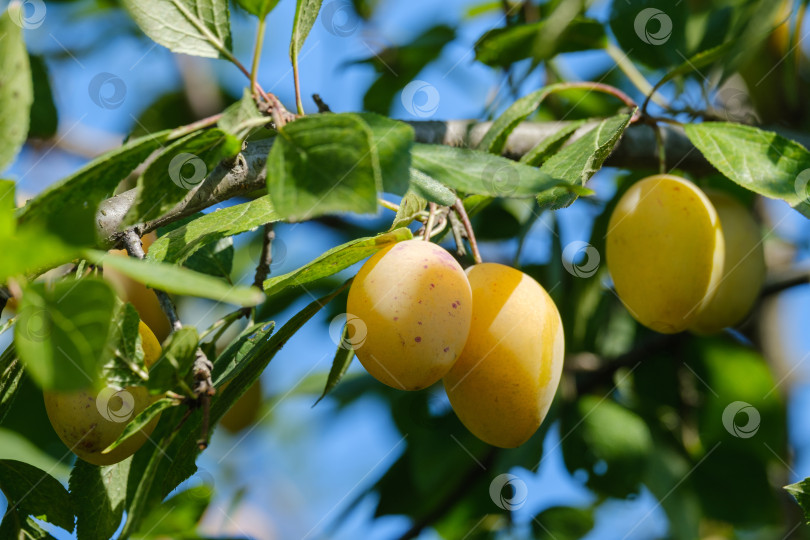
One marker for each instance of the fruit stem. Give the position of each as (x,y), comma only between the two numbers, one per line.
(429,223)
(465,219)
(662,153)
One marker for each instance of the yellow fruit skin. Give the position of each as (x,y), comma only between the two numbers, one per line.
(142,298)
(414,301)
(78,422)
(665,252)
(743,268)
(243,413)
(504,382)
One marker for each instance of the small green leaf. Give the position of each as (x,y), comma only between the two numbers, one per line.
(260,8)
(336,259)
(175,362)
(125,366)
(602,433)
(760,161)
(391,141)
(44,118)
(429,188)
(241,118)
(577,162)
(180,167)
(306,11)
(94,182)
(801,492)
(543,150)
(563,523)
(181,243)
(32,492)
(63,330)
(11,372)
(177,280)
(409,207)
(195,27)
(179,515)
(16,90)
(99,495)
(142,419)
(539,41)
(231,359)
(324,163)
(476,172)
(340,364)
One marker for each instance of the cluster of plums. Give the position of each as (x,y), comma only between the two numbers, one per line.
(682,259)
(492,334)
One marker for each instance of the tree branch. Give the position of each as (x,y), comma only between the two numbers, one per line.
(638,149)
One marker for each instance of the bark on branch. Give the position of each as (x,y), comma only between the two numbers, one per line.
(637,149)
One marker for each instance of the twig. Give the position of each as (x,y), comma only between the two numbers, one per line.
(257,54)
(265,261)
(299,104)
(132,243)
(662,151)
(322,107)
(457,229)
(785,280)
(465,219)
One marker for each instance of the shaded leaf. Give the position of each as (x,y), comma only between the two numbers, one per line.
(32,492)
(175,362)
(142,419)
(563,523)
(62,332)
(177,280)
(16,90)
(340,363)
(801,492)
(99,496)
(550,145)
(260,8)
(11,372)
(44,119)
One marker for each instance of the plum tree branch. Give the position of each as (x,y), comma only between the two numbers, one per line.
(638,149)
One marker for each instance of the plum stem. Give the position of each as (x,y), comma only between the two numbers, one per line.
(465,219)
(429,223)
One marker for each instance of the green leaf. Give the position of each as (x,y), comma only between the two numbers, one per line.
(177,280)
(195,27)
(409,207)
(601,433)
(577,162)
(760,161)
(62,332)
(214,259)
(260,8)
(175,362)
(323,163)
(44,118)
(335,260)
(694,63)
(543,150)
(99,495)
(181,243)
(476,172)
(667,467)
(94,182)
(651,31)
(180,167)
(125,366)
(16,90)
(241,118)
(397,68)
(563,523)
(495,138)
(14,526)
(391,141)
(306,11)
(11,372)
(801,492)
(230,361)
(8,223)
(539,41)
(142,419)
(179,516)
(429,188)
(340,364)
(32,492)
